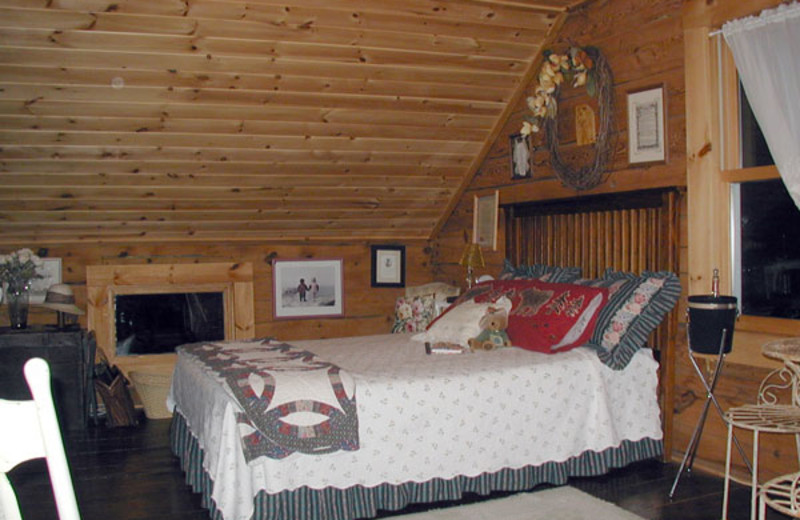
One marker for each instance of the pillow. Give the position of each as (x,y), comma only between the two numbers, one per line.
(545,273)
(459,323)
(413,314)
(636,306)
(546,317)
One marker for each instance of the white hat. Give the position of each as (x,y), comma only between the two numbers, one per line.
(60,298)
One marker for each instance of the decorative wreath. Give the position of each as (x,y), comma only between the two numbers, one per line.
(580,66)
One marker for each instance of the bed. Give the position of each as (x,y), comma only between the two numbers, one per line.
(429,427)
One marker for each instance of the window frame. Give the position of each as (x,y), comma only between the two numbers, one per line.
(733,173)
(713,163)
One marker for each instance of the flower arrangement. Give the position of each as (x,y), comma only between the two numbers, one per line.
(582,66)
(576,66)
(19,268)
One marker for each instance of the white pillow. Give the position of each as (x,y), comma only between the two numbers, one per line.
(460,323)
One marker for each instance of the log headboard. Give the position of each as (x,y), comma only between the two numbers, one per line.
(635,231)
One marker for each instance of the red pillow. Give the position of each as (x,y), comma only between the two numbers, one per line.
(547,317)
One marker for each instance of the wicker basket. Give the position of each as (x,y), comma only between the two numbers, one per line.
(152,385)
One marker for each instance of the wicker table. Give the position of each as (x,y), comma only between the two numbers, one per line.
(767,415)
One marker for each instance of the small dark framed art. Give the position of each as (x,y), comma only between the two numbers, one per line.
(388,266)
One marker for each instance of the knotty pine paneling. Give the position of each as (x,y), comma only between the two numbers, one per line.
(368,310)
(139,121)
(643,42)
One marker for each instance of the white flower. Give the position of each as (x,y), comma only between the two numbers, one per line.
(559,61)
(25,255)
(580,79)
(527,128)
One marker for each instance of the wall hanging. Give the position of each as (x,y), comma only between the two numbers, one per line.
(580,66)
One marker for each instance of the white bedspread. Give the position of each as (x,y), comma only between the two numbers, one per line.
(424,416)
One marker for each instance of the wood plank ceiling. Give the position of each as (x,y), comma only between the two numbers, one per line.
(264,120)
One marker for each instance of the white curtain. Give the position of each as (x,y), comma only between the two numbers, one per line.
(766,49)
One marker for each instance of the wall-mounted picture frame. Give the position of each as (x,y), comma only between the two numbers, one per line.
(50,272)
(388,266)
(307,288)
(647,128)
(484,224)
(520,146)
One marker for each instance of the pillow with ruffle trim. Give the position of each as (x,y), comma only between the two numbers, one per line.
(637,304)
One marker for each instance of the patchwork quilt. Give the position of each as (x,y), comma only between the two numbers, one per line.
(292,400)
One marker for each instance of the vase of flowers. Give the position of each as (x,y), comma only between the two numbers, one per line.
(16,272)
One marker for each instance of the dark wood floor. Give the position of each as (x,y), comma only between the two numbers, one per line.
(129,473)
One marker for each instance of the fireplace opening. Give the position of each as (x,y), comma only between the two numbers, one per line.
(157,323)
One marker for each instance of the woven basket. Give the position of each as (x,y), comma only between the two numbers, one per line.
(152,385)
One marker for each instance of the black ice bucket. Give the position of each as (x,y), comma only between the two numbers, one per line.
(708,316)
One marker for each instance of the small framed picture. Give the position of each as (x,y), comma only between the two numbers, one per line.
(520,146)
(647,126)
(307,288)
(50,272)
(484,224)
(388,266)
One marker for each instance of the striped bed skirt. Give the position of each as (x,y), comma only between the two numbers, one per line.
(364,502)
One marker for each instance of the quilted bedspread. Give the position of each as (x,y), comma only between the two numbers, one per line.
(423,417)
(284,392)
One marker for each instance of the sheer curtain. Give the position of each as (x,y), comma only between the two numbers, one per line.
(766,49)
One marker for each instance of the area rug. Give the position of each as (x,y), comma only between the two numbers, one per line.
(561,503)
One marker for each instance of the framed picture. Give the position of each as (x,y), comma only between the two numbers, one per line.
(484,224)
(520,146)
(51,274)
(388,266)
(647,126)
(307,288)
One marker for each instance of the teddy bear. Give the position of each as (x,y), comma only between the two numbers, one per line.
(493,330)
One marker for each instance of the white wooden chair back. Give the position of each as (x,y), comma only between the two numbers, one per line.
(29,430)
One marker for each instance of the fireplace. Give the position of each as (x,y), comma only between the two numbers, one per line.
(140,313)
(157,323)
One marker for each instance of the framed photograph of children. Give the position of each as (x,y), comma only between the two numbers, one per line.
(520,146)
(388,266)
(304,288)
(647,126)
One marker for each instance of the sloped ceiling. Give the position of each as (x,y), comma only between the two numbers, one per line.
(316,120)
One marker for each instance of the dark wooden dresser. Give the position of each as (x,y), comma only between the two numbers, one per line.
(70,354)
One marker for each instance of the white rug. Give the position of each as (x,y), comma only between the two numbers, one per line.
(561,503)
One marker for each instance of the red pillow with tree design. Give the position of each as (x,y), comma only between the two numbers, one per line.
(545,317)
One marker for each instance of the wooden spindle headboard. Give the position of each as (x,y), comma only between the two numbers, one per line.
(635,231)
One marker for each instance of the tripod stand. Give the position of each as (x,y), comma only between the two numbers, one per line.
(694,441)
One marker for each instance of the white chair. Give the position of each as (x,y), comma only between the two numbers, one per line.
(769,416)
(30,431)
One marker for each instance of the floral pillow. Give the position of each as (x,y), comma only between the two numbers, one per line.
(545,273)
(637,304)
(413,314)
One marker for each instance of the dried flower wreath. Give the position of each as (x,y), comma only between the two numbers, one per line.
(582,66)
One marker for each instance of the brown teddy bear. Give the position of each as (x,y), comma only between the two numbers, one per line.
(493,331)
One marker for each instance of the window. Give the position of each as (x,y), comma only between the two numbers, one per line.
(754,150)
(765,223)
(767,259)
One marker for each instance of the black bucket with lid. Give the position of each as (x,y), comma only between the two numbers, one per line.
(709,315)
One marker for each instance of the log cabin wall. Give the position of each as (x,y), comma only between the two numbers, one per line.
(644,44)
(140,131)
(368,310)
